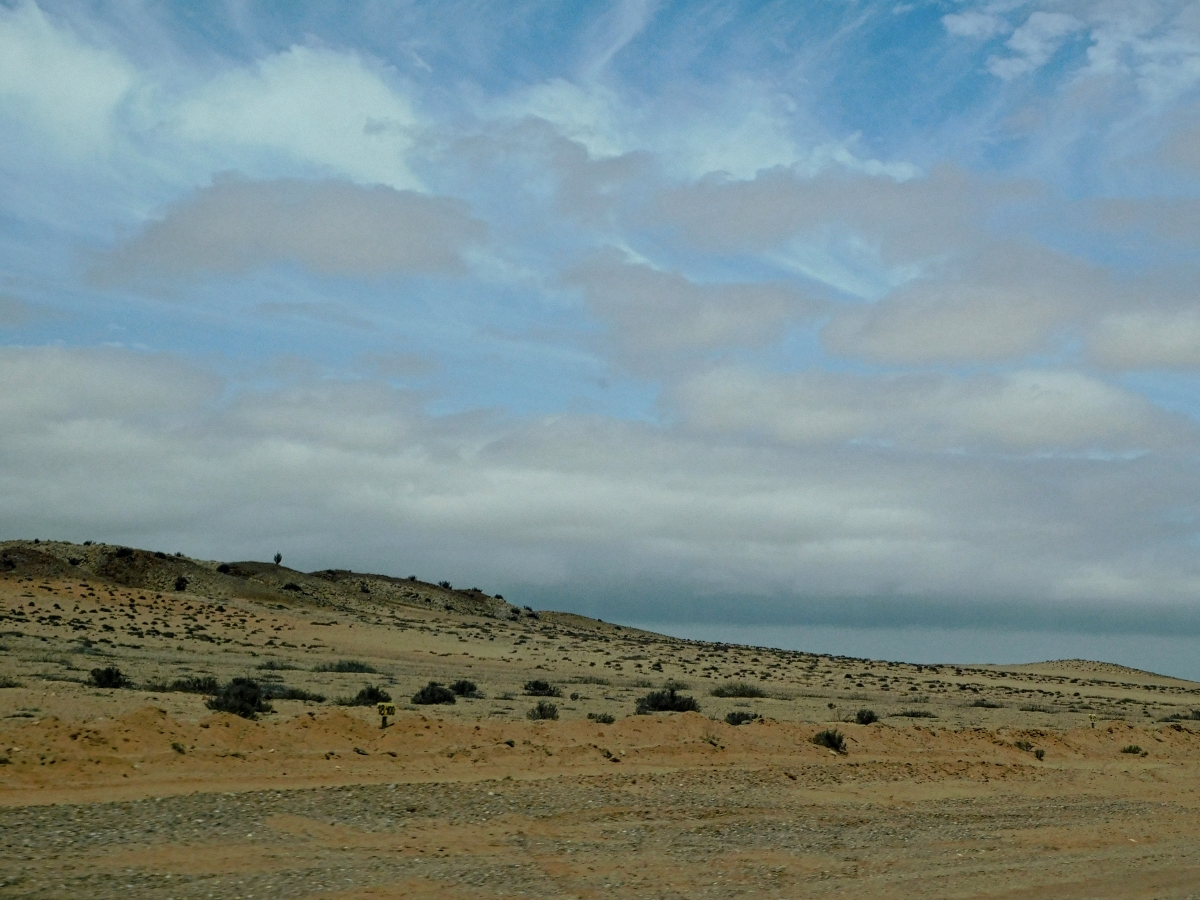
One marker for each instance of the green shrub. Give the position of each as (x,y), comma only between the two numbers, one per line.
(740,717)
(916,714)
(8,682)
(242,697)
(666,701)
(831,738)
(368,696)
(181,583)
(1023,745)
(541,689)
(1131,748)
(465,688)
(737,689)
(865,717)
(1182,717)
(544,710)
(109,677)
(347,665)
(432,694)
(672,684)
(1039,754)
(602,718)
(981,703)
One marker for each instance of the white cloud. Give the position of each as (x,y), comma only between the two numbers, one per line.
(1034,43)
(320,107)
(1022,412)
(66,88)
(974,24)
(1147,339)
(332,227)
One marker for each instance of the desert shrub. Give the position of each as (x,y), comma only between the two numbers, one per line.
(831,738)
(224,568)
(282,692)
(541,689)
(291,586)
(1131,748)
(433,693)
(916,714)
(242,697)
(273,665)
(589,679)
(194,684)
(865,717)
(178,747)
(666,701)
(124,552)
(1023,745)
(1182,717)
(544,710)
(108,677)
(9,682)
(347,665)
(982,703)
(181,583)
(445,584)
(1037,707)
(740,717)
(602,718)
(368,696)
(1039,754)
(465,688)
(737,689)
(278,558)
(672,684)
(158,554)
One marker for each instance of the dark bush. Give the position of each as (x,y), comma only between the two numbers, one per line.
(109,677)
(666,701)
(737,689)
(1023,745)
(272,665)
(740,717)
(291,586)
(445,584)
(434,693)
(602,718)
(368,696)
(541,689)
(346,665)
(278,558)
(1131,748)
(9,682)
(983,703)
(242,697)
(1183,717)
(544,710)
(181,583)
(916,714)
(1039,754)
(465,688)
(865,717)
(159,555)
(74,560)
(831,738)
(194,684)
(124,553)
(672,685)
(224,568)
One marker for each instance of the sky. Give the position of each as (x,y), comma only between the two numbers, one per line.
(713,315)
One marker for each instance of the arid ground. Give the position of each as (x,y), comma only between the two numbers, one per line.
(1067,779)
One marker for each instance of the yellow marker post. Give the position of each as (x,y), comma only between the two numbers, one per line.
(385,710)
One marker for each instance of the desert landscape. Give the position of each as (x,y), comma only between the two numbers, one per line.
(536,775)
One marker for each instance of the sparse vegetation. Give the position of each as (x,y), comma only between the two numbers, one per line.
(916,714)
(866,717)
(7,681)
(368,696)
(108,677)
(1131,748)
(242,697)
(544,710)
(602,718)
(740,717)
(984,703)
(1182,717)
(433,694)
(178,747)
(831,738)
(1023,745)
(193,684)
(274,665)
(347,665)
(737,689)
(667,700)
(181,583)
(1037,707)
(1039,754)
(445,584)
(541,689)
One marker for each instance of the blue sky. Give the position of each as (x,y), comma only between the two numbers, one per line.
(681,312)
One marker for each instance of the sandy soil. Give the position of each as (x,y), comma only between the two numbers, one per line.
(144,792)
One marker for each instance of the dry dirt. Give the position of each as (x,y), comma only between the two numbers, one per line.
(144,792)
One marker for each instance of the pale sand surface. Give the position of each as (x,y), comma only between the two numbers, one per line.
(146,793)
